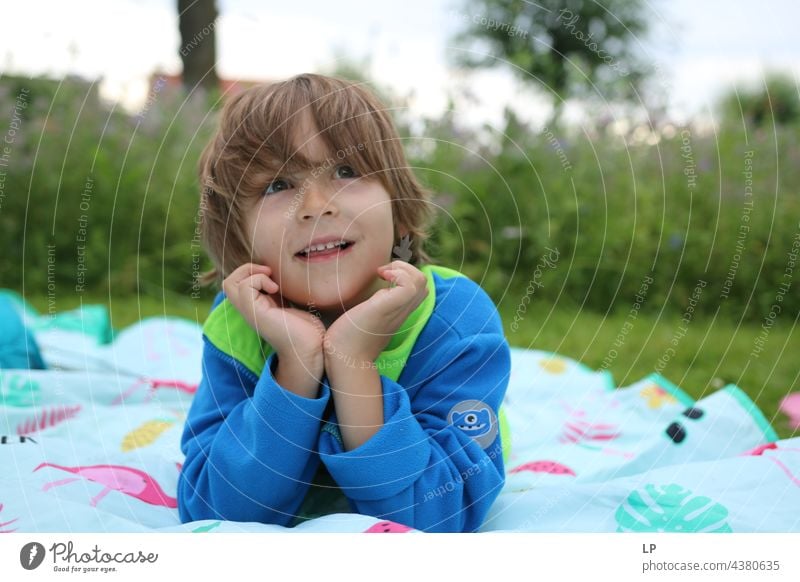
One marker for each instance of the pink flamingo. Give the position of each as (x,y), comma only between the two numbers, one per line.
(152,384)
(794,479)
(759,451)
(173,344)
(126,480)
(5,523)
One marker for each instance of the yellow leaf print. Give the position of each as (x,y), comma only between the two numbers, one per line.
(554,365)
(145,435)
(656,396)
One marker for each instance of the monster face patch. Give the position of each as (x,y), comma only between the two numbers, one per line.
(475,419)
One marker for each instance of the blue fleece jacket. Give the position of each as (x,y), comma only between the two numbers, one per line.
(252,447)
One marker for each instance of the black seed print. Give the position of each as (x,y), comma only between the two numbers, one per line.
(693,413)
(676,432)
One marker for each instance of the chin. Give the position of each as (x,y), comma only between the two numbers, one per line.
(333,304)
(334,296)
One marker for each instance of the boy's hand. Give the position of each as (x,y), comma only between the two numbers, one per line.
(364,331)
(293,333)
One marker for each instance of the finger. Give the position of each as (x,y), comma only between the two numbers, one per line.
(416,277)
(402,266)
(260,282)
(232,285)
(396,277)
(393,265)
(245,270)
(250,295)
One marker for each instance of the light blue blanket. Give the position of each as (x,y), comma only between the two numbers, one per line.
(91,444)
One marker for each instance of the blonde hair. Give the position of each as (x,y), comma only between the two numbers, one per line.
(254,140)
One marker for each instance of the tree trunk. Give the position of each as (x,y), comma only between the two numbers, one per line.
(197,20)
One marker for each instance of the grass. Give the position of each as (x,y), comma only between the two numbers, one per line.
(712,352)
(125,311)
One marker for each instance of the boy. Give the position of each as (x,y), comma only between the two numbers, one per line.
(325,360)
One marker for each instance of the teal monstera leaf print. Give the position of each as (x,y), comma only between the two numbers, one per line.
(17,390)
(670,508)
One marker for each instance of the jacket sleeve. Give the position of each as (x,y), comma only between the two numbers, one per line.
(436,464)
(249,444)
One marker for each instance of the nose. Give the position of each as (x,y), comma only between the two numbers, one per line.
(317,199)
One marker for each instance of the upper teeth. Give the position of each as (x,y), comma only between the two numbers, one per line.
(325,246)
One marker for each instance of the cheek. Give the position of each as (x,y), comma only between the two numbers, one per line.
(377,212)
(380,226)
(264,235)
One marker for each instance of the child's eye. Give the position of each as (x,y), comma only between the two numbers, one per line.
(344,172)
(277,186)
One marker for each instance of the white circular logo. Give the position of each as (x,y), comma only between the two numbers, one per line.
(475,419)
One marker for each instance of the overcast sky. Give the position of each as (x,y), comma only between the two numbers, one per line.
(701,47)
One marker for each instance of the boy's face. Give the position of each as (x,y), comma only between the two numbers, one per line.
(330,200)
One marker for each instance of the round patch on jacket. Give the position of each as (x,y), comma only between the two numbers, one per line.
(475,419)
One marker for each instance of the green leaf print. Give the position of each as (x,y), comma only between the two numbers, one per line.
(670,508)
(17,390)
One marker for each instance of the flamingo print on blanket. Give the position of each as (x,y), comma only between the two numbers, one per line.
(5,524)
(150,385)
(126,480)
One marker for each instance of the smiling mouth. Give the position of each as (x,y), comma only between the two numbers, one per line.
(472,427)
(315,256)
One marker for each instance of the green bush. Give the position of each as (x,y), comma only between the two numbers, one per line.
(619,212)
(106,199)
(617,208)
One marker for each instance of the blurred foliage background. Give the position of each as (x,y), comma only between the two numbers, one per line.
(618,207)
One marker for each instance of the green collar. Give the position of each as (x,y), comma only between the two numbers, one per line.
(226,329)
(230,332)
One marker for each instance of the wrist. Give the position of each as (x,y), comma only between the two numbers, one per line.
(300,358)
(338,354)
(340,361)
(301,376)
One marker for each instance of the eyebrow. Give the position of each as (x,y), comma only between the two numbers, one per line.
(295,170)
